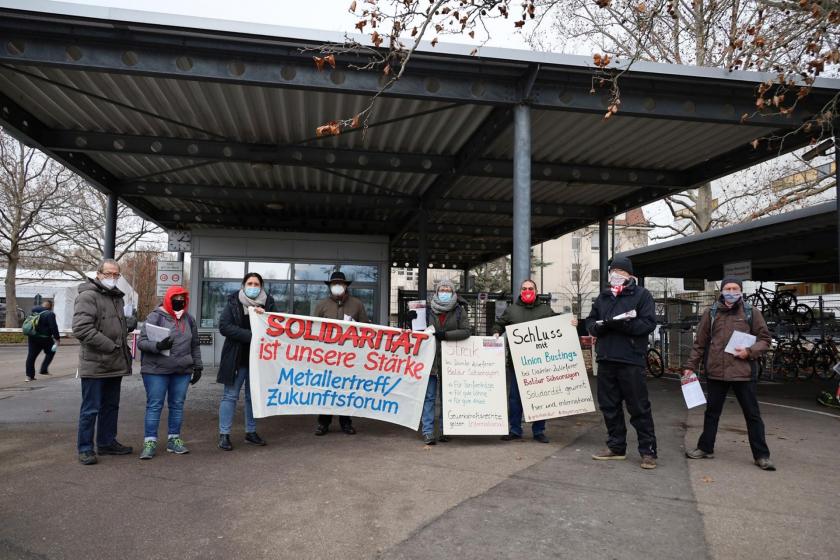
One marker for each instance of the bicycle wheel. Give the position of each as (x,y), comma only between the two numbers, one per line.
(655,365)
(784,303)
(786,360)
(802,317)
(756,301)
(822,360)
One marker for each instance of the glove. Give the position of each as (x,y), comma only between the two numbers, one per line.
(196,376)
(412,315)
(164,344)
(440,335)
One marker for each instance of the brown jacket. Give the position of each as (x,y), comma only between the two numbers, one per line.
(102,327)
(329,308)
(721,365)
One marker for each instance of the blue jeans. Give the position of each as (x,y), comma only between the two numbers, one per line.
(228,405)
(173,389)
(427,420)
(100,402)
(515,408)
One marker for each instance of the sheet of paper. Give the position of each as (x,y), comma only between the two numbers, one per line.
(348,318)
(629,315)
(418,324)
(739,340)
(155,334)
(693,392)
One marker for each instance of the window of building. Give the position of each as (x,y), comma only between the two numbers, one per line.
(596,274)
(596,242)
(576,241)
(575,272)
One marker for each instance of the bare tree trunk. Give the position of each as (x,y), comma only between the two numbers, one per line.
(703,208)
(11,295)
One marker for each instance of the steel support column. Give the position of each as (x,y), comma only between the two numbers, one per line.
(837,194)
(422,252)
(110,244)
(521,261)
(603,249)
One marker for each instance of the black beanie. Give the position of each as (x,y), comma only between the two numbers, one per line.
(732,280)
(623,263)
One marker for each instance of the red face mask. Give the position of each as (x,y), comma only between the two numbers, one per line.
(528,296)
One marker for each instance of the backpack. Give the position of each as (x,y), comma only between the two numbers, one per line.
(30,324)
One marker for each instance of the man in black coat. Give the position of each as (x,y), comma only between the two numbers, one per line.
(621,347)
(46,336)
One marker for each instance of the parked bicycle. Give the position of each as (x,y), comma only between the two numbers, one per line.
(773,302)
(655,364)
(823,356)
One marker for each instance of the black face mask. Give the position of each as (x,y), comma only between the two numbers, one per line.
(178,304)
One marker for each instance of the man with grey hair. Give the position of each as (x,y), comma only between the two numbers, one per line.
(100,324)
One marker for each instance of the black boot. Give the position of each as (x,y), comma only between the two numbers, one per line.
(252,437)
(224,442)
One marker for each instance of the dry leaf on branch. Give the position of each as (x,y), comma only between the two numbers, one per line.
(319,63)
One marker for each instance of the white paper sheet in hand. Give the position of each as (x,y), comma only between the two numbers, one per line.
(155,334)
(418,324)
(693,392)
(739,340)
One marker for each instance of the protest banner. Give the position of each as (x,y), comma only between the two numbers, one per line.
(309,365)
(549,368)
(474,395)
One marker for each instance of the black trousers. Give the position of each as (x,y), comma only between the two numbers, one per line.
(745,393)
(326,420)
(38,344)
(625,383)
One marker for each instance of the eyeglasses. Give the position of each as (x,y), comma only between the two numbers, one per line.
(110,274)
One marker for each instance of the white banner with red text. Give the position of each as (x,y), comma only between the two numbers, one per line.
(309,365)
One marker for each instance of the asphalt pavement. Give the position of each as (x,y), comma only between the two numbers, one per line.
(383,494)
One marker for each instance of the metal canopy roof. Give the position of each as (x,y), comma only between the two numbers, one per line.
(200,123)
(798,246)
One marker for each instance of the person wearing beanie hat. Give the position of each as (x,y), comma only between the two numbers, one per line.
(736,369)
(344,307)
(168,367)
(621,347)
(450,320)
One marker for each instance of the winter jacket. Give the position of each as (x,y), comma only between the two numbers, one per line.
(329,308)
(185,353)
(47,323)
(101,327)
(521,312)
(456,326)
(622,341)
(721,365)
(235,326)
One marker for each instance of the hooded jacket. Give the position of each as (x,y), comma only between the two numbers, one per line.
(185,353)
(712,339)
(622,341)
(100,325)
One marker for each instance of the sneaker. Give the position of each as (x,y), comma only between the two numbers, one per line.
(116,448)
(699,454)
(224,442)
(429,439)
(29,379)
(443,438)
(44,373)
(149,449)
(765,464)
(510,437)
(540,438)
(87,458)
(349,430)
(176,445)
(609,455)
(253,438)
(648,462)
(321,430)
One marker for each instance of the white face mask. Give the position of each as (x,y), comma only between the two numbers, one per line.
(617,279)
(109,282)
(337,290)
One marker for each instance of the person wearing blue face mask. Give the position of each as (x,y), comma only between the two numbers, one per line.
(450,321)
(727,370)
(235,326)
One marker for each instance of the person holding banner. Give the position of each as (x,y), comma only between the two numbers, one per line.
(527,307)
(344,307)
(730,368)
(450,321)
(621,319)
(169,366)
(235,326)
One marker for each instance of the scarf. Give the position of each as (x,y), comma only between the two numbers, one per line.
(247,302)
(616,290)
(439,307)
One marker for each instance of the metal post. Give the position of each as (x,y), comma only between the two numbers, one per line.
(521,265)
(612,235)
(603,249)
(110,244)
(422,253)
(180,256)
(465,277)
(837,195)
